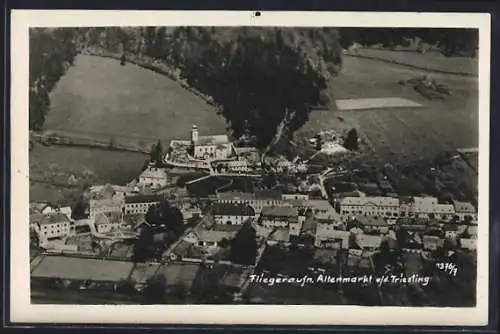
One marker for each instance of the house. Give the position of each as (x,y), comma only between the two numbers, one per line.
(368,242)
(278,216)
(472,231)
(256,200)
(140,204)
(450,231)
(232,214)
(425,208)
(295,196)
(295,226)
(189,208)
(238,166)
(468,243)
(373,224)
(108,221)
(387,207)
(96,206)
(51,225)
(322,210)
(327,237)
(279,235)
(108,191)
(217,147)
(153,177)
(208,238)
(432,242)
(465,211)
(309,227)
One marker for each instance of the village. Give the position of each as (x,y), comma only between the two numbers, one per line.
(247,226)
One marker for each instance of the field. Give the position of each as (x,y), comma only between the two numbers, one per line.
(57,173)
(101,98)
(401,134)
(430,60)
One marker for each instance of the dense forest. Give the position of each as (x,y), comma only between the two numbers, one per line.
(263,80)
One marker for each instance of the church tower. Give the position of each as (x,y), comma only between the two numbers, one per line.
(194,134)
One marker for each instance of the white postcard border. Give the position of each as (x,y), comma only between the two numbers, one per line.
(22,311)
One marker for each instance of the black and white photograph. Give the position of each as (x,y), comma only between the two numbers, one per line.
(170,163)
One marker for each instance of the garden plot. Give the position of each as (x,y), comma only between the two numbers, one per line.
(375,103)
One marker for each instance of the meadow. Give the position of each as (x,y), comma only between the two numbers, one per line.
(401,134)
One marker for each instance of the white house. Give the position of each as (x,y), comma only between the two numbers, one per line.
(256,200)
(232,214)
(373,224)
(154,178)
(387,207)
(238,166)
(328,237)
(368,242)
(109,221)
(51,225)
(465,210)
(216,147)
(450,231)
(208,238)
(470,244)
(426,208)
(292,197)
(278,216)
(140,204)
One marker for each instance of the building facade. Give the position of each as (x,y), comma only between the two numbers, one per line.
(51,225)
(278,216)
(217,147)
(140,204)
(232,214)
(387,207)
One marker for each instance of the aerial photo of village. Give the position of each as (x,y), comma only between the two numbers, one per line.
(262,165)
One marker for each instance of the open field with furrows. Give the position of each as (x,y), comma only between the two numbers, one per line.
(432,61)
(101,98)
(403,134)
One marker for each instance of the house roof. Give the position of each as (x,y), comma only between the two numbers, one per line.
(109,218)
(212,235)
(280,234)
(82,269)
(464,207)
(319,204)
(450,227)
(144,199)
(309,226)
(230,209)
(49,218)
(279,211)
(376,201)
(268,194)
(324,232)
(444,208)
(104,202)
(154,173)
(371,221)
(368,241)
(212,140)
(235,195)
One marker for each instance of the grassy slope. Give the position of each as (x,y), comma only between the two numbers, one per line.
(449,123)
(100,97)
(430,60)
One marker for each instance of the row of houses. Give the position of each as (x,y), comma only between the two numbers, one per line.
(392,208)
(126,201)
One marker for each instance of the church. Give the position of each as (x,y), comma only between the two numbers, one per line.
(216,147)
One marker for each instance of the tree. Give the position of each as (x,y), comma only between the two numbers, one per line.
(143,250)
(126,286)
(164,217)
(34,238)
(244,246)
(351,140)
(155,289)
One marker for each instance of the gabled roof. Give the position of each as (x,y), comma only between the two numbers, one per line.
(230,209)
(368,241)
(376,201)
(212,140)
(49,218)
(144,199)
(279,211)
(464,207)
